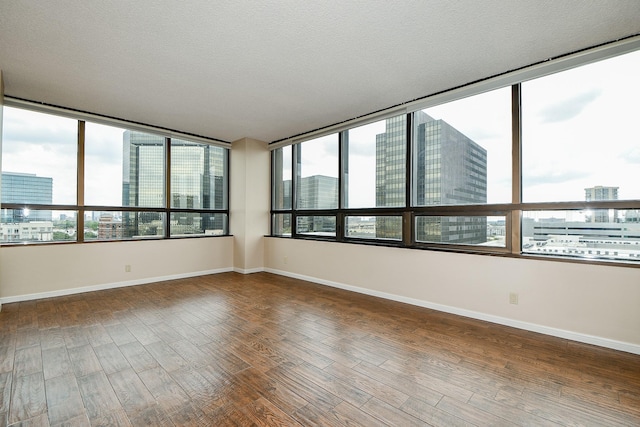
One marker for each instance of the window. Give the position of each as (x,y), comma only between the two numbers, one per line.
(281,225)
(317,179)
(316,225)
(375,164)
(462,151)
(580,134)
(569,193)
(37,226)
(381,227)
(607,234)
(106,179)
(282,178)
(462,230)
(125,182)
(39,158)
(123,225)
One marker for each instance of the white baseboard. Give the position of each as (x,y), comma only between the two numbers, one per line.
(560,333)
(249,270)
(71,291)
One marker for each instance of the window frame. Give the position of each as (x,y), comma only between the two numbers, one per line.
(80,207)
(512,211)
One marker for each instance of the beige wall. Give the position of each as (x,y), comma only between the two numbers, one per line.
(46,270)
(589,303)
(249,203)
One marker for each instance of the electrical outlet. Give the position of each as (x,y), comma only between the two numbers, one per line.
(513,298)
(286,258)
(127,268)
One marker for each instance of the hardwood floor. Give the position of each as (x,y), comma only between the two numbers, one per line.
(262,349)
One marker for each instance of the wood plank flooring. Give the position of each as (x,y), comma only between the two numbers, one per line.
(261,349)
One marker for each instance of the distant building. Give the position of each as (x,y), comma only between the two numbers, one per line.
(542,230)
(33,231)
(555,236)
(317,192)
(109,228)
(449,169)
(26,188)
(602,193)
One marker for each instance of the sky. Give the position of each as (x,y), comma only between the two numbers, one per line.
(580,129)
(45,145)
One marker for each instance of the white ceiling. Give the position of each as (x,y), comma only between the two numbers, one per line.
(273,69)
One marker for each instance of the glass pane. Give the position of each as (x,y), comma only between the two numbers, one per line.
(316,225)
(198,175)
(34,226)
(600,234)
(375,164)
(198,224)
(317,183)
(39,158)
(122,225)
(464,230)
(282,178)
(462,151)
(281,225)
(580,132)
(143,181)
(374,227)
(104,175)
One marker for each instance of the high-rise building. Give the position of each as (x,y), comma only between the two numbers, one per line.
(317,192)
(602,193)
(26,188)
(448,168)
(143,169)
(197,182)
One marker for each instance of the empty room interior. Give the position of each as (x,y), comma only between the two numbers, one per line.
(320,213)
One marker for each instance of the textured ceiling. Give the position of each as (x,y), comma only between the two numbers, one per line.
(272,69)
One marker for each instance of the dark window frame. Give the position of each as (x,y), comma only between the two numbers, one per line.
(512,212)
(80,207)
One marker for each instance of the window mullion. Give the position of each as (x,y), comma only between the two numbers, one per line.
(408,222)
(80,182)
(514,228)
(343,183)
(167,188)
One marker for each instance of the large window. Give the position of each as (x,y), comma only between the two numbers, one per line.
(580,133)
(542,167)
(137,185)
(462,151)
(375,164)
(317,174)
(39,158)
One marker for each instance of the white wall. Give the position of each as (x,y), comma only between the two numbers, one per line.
(36,271)
(588,303)
(249,203)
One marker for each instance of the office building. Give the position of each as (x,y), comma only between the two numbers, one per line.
(449,169)
(317,192)
(28,189)
(601,193)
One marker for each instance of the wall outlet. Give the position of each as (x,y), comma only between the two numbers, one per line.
(127,268)
(286,259)
(513,298)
